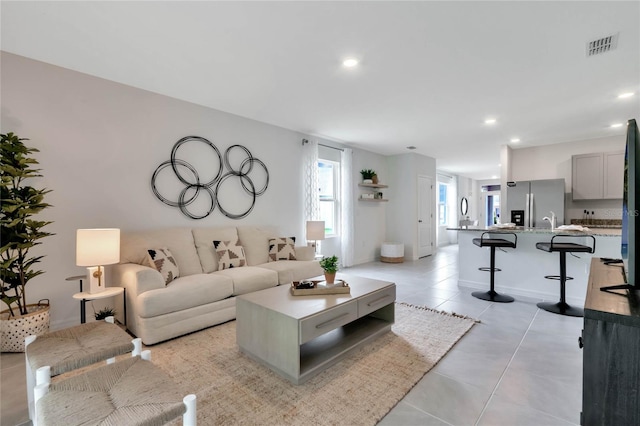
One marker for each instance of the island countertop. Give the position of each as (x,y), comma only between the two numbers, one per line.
(600,232)
(525,267)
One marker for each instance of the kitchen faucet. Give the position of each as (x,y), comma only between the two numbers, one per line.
(552,220)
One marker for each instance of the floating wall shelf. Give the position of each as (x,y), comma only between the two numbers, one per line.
(380,200)
(373,186)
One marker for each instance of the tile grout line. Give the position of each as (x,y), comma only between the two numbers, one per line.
(427,413)
(495,388)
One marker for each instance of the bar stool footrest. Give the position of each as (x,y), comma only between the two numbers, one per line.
(561,308)
(488,269)
(557,277)
(492,296)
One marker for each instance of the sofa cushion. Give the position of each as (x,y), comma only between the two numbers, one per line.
(294,270)
(184,293)
(282,248)
(204,237)
(249,278)
(162,261)
(134,246)
(256,243)
(230,255)
(305,253)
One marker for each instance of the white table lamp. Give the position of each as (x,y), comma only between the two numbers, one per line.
(95,248)
(315,232)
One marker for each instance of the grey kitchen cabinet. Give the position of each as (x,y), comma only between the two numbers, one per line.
(613,174)
(597,176)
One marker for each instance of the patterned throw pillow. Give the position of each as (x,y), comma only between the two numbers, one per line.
(283,248)
(162,260)
(230,255)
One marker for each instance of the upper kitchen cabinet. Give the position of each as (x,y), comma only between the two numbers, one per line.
(613,174)
(586,176)
(597,176)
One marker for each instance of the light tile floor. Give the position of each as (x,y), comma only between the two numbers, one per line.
(520,366)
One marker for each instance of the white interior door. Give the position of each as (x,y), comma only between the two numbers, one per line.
(425,216)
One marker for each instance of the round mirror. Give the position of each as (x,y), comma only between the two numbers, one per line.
(464,206)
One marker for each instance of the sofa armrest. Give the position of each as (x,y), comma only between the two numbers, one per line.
(305,253)
(137,278)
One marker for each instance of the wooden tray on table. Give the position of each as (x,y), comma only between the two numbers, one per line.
(320,287)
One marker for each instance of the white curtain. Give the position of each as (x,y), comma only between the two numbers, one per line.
(346,212)
(311,183)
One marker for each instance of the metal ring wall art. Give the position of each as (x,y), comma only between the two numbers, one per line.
(193,187)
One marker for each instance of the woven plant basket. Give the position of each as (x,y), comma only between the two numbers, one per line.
(16,329)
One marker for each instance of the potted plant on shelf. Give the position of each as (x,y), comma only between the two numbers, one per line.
(330,266)
(19,233)
(369,176)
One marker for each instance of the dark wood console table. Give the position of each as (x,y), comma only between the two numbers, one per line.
(611,358)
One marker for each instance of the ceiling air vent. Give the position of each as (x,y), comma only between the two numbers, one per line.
(602,45)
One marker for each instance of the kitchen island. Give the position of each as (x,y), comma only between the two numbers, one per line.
(524,268)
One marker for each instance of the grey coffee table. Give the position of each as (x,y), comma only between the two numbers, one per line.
(300,336)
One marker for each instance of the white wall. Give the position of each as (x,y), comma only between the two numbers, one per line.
(467,187)
(370,218)
(402,217)
(554,162)
(100,143)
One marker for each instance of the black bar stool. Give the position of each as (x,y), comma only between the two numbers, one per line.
(562,307)
(494,242)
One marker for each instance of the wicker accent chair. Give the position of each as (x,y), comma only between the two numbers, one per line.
(72,348)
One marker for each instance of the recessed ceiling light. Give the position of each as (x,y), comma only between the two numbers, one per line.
(494,177)
(490,121)
(625,95)
(515,140)
(499,164)
(614,125)
(350,62)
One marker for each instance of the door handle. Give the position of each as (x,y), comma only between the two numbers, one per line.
(419,220)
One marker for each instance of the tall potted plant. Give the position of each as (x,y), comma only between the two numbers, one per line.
(19,233)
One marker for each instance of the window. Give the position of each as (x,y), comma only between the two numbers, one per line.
(329,178)
(442,204)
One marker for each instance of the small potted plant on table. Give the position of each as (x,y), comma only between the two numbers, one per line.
(330,266)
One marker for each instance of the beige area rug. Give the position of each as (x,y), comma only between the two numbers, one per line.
(360,390)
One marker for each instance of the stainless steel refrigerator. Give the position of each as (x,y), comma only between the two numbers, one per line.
(530,201)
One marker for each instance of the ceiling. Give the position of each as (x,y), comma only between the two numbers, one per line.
(430,72)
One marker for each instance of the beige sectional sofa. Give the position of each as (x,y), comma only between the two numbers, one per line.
(202,295)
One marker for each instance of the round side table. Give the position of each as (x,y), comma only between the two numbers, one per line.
(84,296)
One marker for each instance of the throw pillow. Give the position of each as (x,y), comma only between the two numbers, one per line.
(230,255)
(162,260)
(283,248)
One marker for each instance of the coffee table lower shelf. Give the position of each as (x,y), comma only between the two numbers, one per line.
(286,346)
(330,348)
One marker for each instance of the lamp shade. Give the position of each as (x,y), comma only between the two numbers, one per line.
(95,247)
(315,230)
